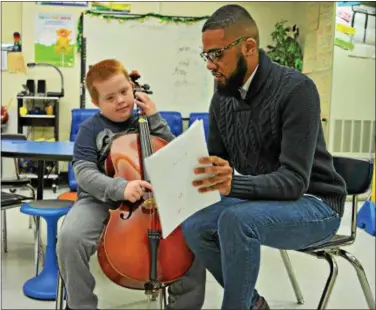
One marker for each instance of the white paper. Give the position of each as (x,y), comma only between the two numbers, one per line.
(170,171)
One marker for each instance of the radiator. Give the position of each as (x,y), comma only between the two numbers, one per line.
(353,138)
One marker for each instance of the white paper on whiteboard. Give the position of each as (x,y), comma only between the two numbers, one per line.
(170,171)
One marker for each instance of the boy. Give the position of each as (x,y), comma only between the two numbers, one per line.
(110,89)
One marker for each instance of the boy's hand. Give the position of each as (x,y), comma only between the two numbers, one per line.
(147,105)
(135,190)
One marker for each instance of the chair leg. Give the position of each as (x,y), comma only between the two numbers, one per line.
(158,295)
(162,298)
(4,231)
(33,196)
(331,278)
(361,276)
(36,244)
(59,293)
(291,274)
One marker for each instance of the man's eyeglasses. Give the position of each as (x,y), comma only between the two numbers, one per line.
(215,55)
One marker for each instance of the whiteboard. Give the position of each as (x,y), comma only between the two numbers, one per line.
(167,56)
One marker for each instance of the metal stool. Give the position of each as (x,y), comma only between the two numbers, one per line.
(43,286)
(357,175)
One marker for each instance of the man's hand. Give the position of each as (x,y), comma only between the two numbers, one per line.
(222,178)
(147,105)
(134,190)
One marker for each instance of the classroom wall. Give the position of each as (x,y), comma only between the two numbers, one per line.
(353,92)
(16,14)
(353,99)
(11,21)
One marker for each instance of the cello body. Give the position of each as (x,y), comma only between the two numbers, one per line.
(131,251)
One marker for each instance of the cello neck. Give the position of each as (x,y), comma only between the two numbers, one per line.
(145,142)
(145,139)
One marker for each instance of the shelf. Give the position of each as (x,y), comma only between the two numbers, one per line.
(39,98)
(37,121)
(37,116)
(40,120)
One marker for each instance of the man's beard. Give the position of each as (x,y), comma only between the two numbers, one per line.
(231,85)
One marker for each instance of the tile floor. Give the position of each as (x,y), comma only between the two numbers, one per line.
(273,283)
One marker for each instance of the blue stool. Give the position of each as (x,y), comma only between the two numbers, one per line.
(43,286)
(366,218)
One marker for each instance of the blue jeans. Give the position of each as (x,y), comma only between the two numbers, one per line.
(226,238)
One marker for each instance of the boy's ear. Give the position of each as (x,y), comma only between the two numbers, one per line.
(95,102)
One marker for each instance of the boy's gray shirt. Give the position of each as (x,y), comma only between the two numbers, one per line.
(91,149)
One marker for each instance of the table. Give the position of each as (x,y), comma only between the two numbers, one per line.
(40,151)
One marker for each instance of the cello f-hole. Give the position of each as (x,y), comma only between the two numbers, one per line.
(122,215)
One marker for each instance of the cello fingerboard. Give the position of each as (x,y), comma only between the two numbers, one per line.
(145,142)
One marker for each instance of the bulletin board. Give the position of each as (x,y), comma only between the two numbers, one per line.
(355,29)
(318,53)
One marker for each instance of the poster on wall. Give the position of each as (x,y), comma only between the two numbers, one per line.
(55,39)
(355,29)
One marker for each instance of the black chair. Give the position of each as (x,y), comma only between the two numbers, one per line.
(18,181)
(358,177)
(14,184)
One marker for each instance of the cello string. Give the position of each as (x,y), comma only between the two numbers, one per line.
(145,152)
(149,151)
(148,142)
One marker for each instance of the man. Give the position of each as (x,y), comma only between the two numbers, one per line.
(265,123)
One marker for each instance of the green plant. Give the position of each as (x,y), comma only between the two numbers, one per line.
(286,50)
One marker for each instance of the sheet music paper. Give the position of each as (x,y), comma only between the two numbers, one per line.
(170,171)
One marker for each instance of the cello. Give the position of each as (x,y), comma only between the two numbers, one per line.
(131,251)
